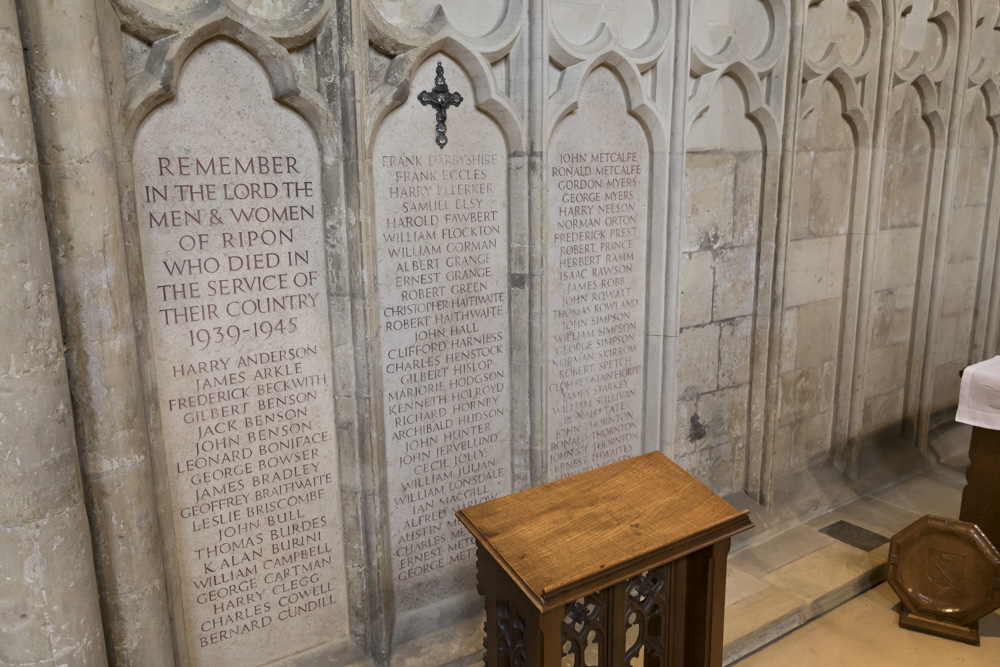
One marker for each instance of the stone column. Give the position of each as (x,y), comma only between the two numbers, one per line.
(80,192)
(49,612)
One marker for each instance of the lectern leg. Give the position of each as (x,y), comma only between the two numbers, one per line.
(716,594)
(550,647)
(697,606)
(981,496)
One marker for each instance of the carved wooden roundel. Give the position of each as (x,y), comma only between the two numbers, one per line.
(945,569)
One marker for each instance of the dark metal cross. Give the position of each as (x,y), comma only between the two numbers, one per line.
(440,98)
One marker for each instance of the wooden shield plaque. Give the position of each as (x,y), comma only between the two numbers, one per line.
(947,575)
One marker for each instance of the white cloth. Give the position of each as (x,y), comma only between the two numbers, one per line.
(979,399)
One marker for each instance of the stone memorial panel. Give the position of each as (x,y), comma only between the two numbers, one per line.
(444,328)
(598,182)
(231,224)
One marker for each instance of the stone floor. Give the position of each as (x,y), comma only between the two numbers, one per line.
(864,632)
(786,573)
(779,584)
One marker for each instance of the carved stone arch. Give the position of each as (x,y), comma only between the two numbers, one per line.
(987,17)
(870,13)
(778,17)
(990,90)
(755,107)
(151,24)
(158,83)
(486,95)
(850,99)
(639,105)
(566,54)
(393,40)
(949,26)
(930,109)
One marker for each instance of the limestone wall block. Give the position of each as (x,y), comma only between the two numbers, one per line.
(882,411)
(724,413)
(965,235)
(808,441)
(882,312)
(799,218)
(815,269)
(747,192)
(817,335)
(734,351)
(831,199)
(708,201)
(697,279)
(886,369)
(902,314)
(698,360)
(735,282)
(896,259)
(789,337)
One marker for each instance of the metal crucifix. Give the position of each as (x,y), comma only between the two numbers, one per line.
(440,98)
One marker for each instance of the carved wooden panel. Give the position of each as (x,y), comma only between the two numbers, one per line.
(585,631)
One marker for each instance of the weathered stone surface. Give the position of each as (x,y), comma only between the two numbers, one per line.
(80,190)
(49,612)
(230,218)
(818,259)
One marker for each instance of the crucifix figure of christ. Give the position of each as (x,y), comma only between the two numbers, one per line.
(440,98)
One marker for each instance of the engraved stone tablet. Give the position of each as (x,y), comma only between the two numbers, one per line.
(597,176)
(441,238)
(231,224)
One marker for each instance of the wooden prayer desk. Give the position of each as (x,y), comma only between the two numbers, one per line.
(624,558)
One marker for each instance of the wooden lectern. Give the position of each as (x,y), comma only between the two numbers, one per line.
(604,565)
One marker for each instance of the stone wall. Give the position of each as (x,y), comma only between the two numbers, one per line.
(308,314)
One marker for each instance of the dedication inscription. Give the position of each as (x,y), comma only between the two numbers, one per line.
(230,218)
(441,225)
(597,176)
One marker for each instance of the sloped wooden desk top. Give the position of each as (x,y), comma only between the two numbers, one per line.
(580,534)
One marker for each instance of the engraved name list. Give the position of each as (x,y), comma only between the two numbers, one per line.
(236,301)
(441,225)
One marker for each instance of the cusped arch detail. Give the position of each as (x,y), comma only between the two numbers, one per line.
(703,63)
(870,13)
(930,108)
(395,89)
(638,105)
(395,41)
(566,54)
(158,83)
(755,107)
(850,101)
(150,24)
(991,93)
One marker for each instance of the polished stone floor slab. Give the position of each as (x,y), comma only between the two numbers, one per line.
(864,631)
